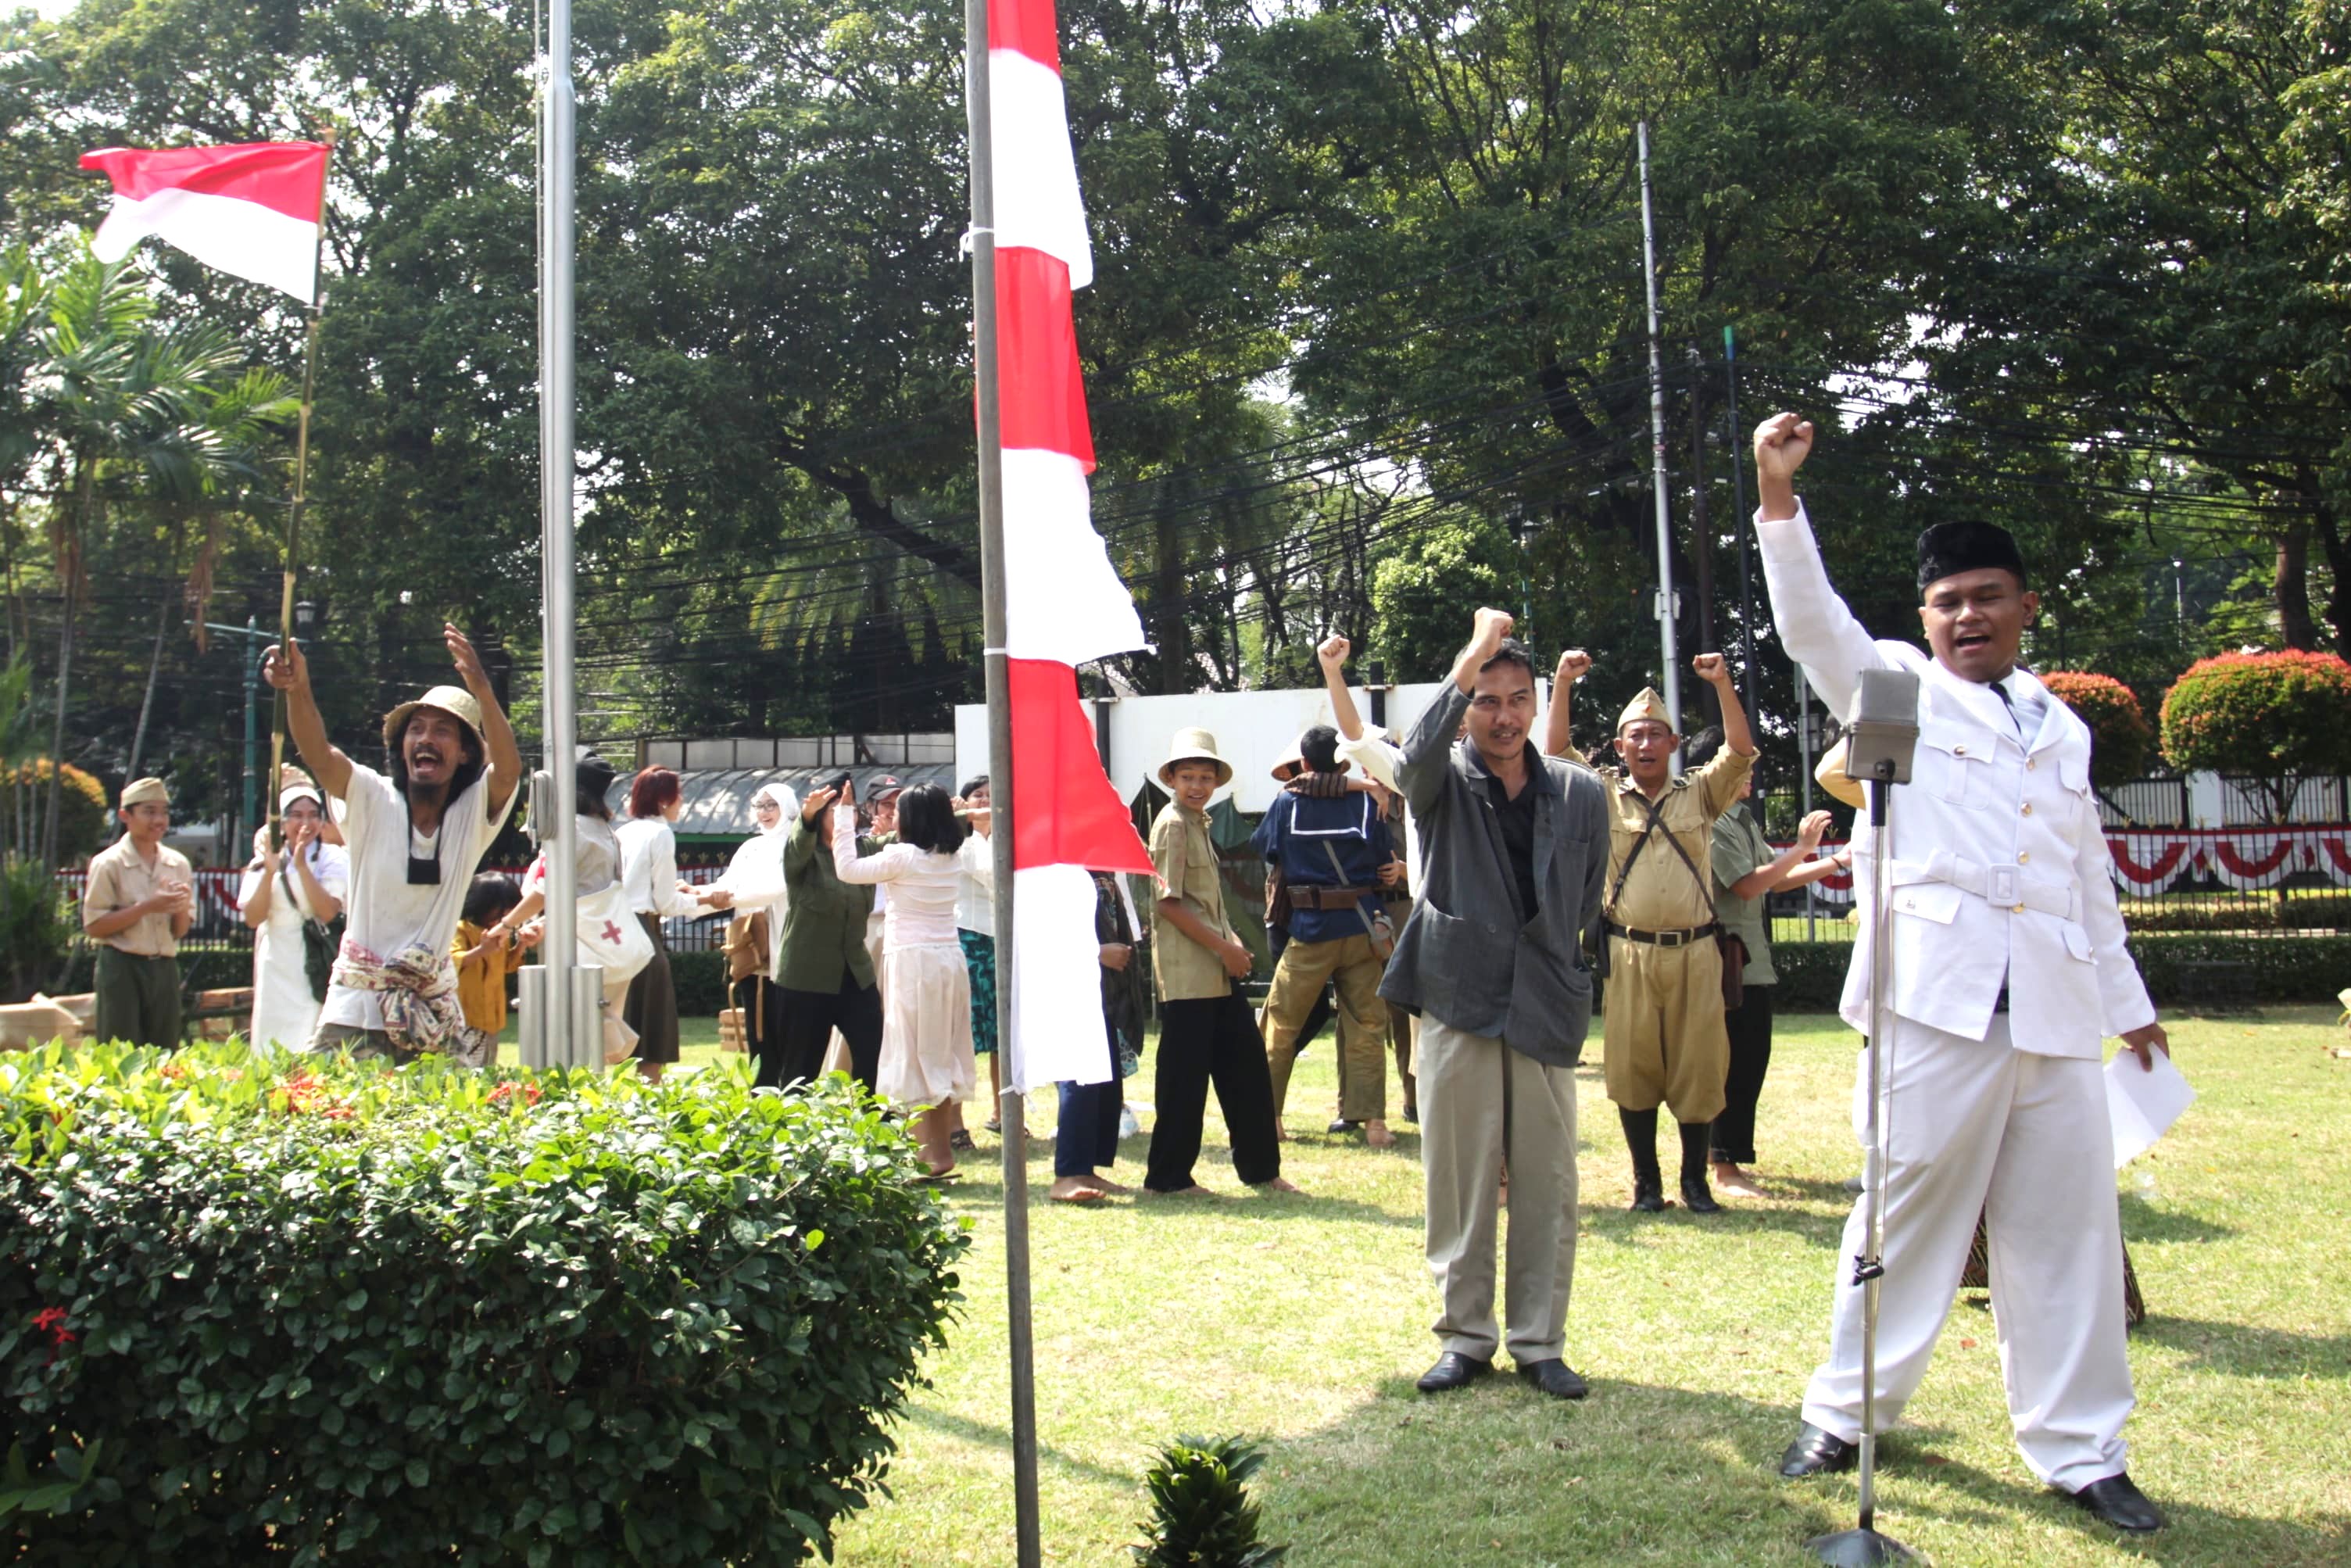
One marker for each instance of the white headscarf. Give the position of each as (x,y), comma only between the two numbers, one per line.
(787,804)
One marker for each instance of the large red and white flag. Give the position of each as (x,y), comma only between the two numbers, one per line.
(1064,601)
(254,209)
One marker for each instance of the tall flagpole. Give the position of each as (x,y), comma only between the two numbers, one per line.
(277,731)
(565,1040)
(1000,782)
(1657,456)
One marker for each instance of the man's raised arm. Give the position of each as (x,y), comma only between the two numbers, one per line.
(1818,630)
(287,668)
(1559,725)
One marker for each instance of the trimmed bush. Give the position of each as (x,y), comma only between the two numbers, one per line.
(2276,717)
(700,980)
(261,1307)
(84,812)
(2281,969)
(2119,733)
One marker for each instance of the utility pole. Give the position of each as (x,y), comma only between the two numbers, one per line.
(1665,652)
(1702,533)
(1739,506)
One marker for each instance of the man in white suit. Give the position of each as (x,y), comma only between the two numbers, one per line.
(2008,972)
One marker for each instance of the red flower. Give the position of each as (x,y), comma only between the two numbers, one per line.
(53,1319)
(506,1091)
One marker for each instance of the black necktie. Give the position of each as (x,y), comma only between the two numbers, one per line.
(2000,689)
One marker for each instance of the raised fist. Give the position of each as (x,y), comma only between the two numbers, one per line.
(1492,626)
(1782,444)
(1711,669)
(1333,651)
(1573,665)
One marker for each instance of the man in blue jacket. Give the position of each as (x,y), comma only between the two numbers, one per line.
(1332,850)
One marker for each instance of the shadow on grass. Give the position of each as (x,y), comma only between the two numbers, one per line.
(2242,1350)
(1640,1472)
(989,1435)
(2144,1221)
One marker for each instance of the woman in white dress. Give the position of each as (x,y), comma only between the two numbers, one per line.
(754,879)
(649,882)
(307,881)
(926,1057)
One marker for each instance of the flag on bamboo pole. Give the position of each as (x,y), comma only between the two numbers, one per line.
(1064,603)
(253,209)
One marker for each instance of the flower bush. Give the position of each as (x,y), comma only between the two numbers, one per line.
(84,812)
(260,1307)
(2276,717)
(2119,733)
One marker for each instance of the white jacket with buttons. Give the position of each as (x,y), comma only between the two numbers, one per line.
(2000,867)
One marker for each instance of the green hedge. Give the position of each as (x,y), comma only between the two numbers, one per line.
(701,982)
(264,1309)
(2282,968)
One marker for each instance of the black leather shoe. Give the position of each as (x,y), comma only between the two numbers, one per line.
(1699,1198)
(1556,1378)
(1453,1370)
(1412,1112)
(2121,1504)
(1648,1194)
(1343,1125)
(1817,1453)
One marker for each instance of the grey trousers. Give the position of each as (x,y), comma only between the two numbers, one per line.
(1481,1103)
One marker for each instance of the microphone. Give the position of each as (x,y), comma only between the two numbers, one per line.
(1883,727)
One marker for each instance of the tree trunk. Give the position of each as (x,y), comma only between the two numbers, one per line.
(69,584)
(2290,582)
(154,665)
(1167,615)
(2331,545)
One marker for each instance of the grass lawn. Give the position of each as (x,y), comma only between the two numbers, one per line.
(1303,1320)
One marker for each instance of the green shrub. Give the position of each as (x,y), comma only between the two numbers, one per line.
(1201,1516)
(2280,969)
(85,816)
(262,1308)
(700,979)
(2119,733)
(2277,717)
(37,926)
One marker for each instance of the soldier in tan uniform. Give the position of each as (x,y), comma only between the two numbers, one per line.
(1663,999)
(140,900)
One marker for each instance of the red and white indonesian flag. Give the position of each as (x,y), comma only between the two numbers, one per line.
(1064,601)
(253,210)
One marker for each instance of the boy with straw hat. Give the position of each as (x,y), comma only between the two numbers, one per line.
(1207,1033)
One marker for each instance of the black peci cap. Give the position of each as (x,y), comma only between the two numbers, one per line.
(1949,548)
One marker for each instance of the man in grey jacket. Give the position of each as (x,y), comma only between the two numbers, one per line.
(1514,851)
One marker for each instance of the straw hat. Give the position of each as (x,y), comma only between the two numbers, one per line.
(454,701)
(1195,746)
(1649,706)
(139,791)
(1292,766)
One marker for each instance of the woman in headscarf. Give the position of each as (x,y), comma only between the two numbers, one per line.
(753,885)
(283,889)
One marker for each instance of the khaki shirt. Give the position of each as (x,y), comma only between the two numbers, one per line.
(1185,857)
(1661,894)
(119,878)
(1741,849)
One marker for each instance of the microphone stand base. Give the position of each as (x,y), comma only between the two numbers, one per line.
(1859,1549)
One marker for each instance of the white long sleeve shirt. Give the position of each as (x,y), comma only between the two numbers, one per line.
(649,868)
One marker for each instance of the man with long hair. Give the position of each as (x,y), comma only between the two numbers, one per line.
(415,831)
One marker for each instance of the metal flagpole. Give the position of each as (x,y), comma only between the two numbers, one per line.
(1657,455)
(1000,782)
(277,731)
(566,992)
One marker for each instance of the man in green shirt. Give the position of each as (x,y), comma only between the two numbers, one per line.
(1746,870)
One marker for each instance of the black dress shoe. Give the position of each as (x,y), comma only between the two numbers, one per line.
(1342,1125)
(1412,1112)
(1648,1194)
(1556,1378)
(1817,1453)
(2121,1504)
(1699,1198)
(1453,1370)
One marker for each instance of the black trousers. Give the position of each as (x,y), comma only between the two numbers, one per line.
(761,1003)
(1750,1027)
(1212,1039)
(795,1049)
(137,998)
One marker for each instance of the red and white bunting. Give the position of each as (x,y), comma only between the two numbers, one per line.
(1064,601)
(251,210)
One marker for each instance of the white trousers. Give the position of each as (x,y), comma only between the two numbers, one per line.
(1981,1127)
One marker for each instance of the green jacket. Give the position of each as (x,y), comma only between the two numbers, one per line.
(824,922)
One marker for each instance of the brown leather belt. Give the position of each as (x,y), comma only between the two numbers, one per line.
(1666,938)
(1328,897)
